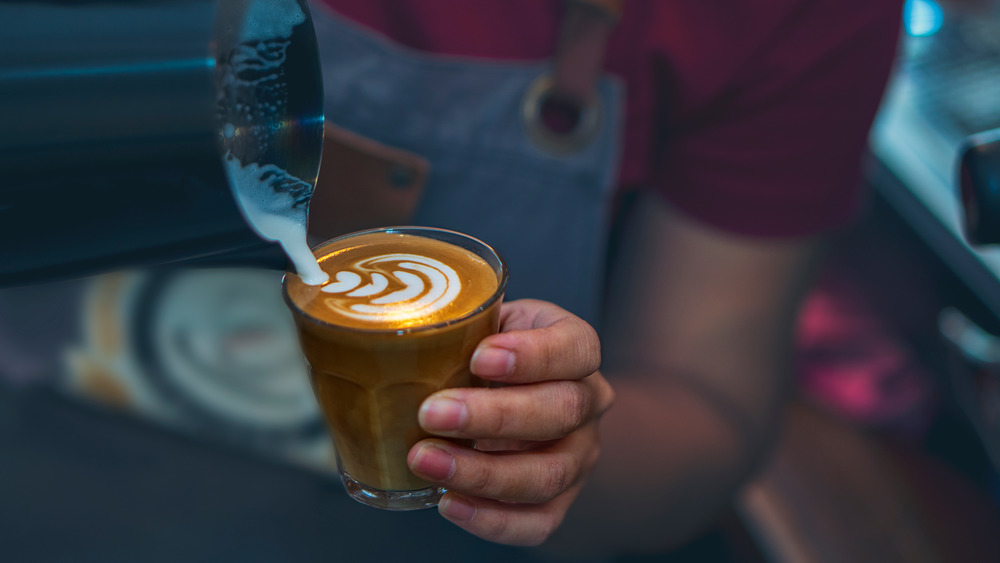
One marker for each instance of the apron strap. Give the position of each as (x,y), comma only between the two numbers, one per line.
(561,111)
(583,38)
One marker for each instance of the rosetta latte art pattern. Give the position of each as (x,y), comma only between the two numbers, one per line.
(427,286)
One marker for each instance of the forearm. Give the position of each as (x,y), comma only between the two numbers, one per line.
(696,346)
(671,460)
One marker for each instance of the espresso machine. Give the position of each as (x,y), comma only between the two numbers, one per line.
(113,122)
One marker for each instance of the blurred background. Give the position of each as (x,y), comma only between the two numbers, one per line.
(148,415)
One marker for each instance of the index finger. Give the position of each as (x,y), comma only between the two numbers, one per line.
(538,342)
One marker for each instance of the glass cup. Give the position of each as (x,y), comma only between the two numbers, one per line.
(370,382)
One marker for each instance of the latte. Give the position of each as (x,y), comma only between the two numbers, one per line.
(399,319)
(392,280)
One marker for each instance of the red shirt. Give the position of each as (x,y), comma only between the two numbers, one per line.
(750,115)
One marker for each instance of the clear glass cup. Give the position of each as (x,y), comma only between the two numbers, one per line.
(370,382)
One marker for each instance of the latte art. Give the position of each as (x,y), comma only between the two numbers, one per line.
(394,281)
(425,286)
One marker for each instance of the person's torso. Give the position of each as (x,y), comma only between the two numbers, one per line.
(679,61)
(470,130)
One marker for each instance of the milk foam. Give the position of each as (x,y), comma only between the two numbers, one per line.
(429,285)
(275,203)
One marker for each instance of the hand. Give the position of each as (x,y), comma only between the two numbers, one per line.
(536,434)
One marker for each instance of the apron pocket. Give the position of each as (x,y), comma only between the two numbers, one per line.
(363,184)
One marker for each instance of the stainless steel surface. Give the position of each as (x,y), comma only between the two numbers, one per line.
(112,117)
(944,89)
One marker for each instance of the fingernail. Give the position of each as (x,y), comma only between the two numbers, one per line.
(456,509)
(433,462)
(492,362)
(443,413)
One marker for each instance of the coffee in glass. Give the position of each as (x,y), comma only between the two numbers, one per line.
(399,319)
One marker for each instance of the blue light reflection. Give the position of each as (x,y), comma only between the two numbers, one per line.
(922,18)
(181,65)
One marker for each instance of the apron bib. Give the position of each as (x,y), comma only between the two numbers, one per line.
(546,210)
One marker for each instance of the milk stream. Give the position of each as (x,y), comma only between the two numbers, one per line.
(274,202)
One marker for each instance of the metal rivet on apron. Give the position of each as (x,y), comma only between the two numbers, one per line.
(401,176)
(587,122)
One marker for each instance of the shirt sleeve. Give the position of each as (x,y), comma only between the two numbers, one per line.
(779,152)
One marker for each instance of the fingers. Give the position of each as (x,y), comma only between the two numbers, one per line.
(544,411)
(512,524)
(538,342)
(537,433)
(524,477)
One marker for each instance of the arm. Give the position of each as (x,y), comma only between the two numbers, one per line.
(700,321)
(698,371)
(697,340)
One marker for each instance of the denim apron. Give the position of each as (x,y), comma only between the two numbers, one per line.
(545,209)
